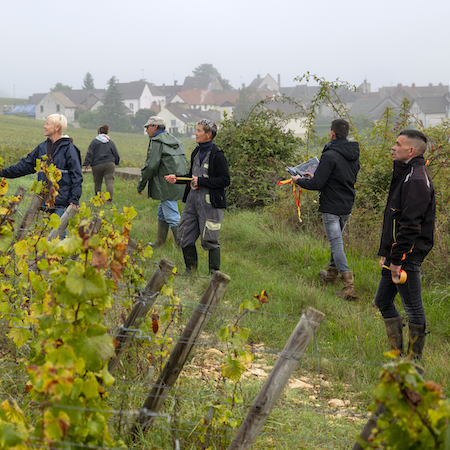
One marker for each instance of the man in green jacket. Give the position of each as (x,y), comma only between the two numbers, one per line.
(165,155)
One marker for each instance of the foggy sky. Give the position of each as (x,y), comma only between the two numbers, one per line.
(387,42)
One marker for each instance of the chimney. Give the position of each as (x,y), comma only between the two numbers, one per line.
(258,76)
(279,80)
(175,82)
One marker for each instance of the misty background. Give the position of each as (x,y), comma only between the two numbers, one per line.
(385,42)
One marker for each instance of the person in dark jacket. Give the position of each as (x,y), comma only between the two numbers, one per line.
(335,180)
(204,197)
(103,157)
(407,237)
(63,154)
(165,155)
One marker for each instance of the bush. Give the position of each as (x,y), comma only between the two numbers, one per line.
(257,147)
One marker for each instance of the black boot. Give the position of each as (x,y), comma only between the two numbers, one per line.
(214,260)
(190,259)
(394,330)
(175,235)
(416,341)
(163,231)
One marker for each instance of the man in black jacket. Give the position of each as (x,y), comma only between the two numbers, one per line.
(335,180)
(204,197)
(406,239)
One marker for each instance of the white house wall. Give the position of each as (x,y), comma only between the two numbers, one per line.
(49,105)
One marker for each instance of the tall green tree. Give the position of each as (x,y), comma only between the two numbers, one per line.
(113,112)
(208,70)
(60,87)
(88,81)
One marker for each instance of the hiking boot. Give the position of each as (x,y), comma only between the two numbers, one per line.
(329,276)
(163,231)
(394,330)
(348,292)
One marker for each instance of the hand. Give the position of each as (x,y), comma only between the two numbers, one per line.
(395,270)
(308,174)
(382,261)
(295,177)
(86,168)
(75,206)
(139,192)
(172,179)
(194,181)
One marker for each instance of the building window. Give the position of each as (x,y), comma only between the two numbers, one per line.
(173,123)
(173,130)
(131,106)
(42,108)
(57,108)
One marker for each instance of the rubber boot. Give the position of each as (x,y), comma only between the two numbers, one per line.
(175,234)
(190,259)
(329,276)
(348,292)
(394,330)
(416,341)
(214,260)
(163,231)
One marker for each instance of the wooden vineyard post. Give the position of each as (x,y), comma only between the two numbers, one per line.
(278,377)
(20,192)
(68,214)
(140,310)
(181,352)
(35,204)
(370,425)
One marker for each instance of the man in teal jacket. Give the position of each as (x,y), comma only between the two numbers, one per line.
(165,155)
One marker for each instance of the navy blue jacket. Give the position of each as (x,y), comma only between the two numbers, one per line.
(335,177)
(66,158)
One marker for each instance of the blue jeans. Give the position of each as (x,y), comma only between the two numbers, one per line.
(410,294)
(334,226)
(168,212)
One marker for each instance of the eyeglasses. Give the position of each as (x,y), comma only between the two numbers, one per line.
(147,126)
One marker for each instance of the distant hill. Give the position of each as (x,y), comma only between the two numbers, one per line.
(13,101)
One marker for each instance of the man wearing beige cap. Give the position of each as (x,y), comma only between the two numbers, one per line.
(165,155)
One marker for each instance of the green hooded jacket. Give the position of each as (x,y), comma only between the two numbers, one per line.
(165,155)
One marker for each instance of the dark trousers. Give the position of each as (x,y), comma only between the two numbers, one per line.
(106,171)
(410,294)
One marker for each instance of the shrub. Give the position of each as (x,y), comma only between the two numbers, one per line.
(257,146)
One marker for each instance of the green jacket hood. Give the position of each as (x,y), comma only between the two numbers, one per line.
(168,139)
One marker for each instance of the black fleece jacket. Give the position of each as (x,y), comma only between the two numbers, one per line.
(408,226)
(218,177)
(335,177)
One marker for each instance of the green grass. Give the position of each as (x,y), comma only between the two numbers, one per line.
(260,251)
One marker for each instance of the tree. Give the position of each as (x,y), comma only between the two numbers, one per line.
(60,87)
(88,81)
(140,118)
(113,112)
(208,70)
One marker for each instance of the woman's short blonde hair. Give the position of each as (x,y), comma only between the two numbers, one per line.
(58,119)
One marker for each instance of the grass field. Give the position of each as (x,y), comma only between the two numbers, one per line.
(260,251)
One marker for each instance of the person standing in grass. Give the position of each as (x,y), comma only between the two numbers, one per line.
(103,157)
(406,239)
(335,180)
(204,197)
(62,153)
(165,155)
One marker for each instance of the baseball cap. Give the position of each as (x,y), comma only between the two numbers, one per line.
(154,120)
